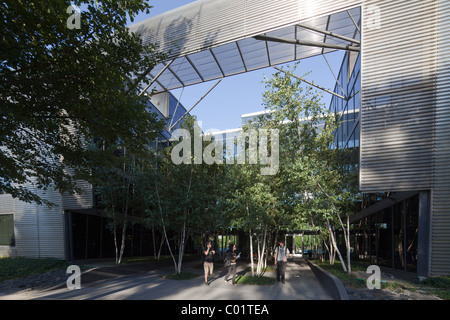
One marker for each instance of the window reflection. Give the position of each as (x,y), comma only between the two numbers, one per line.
(388,238)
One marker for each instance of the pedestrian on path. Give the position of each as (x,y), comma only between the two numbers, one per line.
(232,257)
(208,261)
(281,256)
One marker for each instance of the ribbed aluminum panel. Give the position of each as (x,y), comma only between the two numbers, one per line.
(398,95)
(6,203)
(7,206)
(210,39)
(38,230)
(51,227)
(78,201)
(440,222)
(26,229)
(309,9)
(206,23)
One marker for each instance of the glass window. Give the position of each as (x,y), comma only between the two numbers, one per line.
(357,135)
(345,128)
(412,229)
(372,239)
(384,238)
(7,230)
(399,258)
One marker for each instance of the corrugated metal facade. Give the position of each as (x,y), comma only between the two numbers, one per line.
(440,223)
(39,231)
(398,92)
(405,108)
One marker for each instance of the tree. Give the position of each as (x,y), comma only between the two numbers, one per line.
(114,187)
(184,196)
(63,87)
(314,179)
(250,200)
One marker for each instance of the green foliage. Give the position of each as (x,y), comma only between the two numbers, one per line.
(64,87)
(188,192)
(316,184)
(438,286)
(11,268)
(438,282)
(261,281)
(315,181)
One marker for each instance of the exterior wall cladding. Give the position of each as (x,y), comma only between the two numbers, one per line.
(405,109)
(39,231)
(404,118)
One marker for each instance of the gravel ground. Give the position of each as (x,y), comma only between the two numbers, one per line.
(34,282)
(384,294)
(401,293)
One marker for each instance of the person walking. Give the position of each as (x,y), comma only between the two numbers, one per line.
(208,261)
(232,257)
(281,256)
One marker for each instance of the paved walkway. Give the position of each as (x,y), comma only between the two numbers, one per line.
(137,282)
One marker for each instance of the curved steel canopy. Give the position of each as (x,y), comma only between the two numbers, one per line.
(212,39)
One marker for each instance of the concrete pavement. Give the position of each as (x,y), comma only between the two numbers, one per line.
(137,283)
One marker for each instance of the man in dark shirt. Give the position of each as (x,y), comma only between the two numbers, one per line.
(208,261)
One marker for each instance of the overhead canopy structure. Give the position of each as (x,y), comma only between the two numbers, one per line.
(212,39)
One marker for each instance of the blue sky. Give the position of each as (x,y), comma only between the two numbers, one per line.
(222,108)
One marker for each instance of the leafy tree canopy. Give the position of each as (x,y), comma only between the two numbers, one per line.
(62,87)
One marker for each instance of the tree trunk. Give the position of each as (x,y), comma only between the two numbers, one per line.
(251,252)
(161,243)
(332,254)
(349,266)
(261,253)
(258,248)
(183,230)
(164,227)
(122,246)
(116,248)
(127,183)
(181,249)
(335,246)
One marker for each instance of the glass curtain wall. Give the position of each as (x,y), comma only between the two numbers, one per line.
(388,238)
(347,136)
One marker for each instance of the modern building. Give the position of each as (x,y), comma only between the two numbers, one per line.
(396,108)
(75,228)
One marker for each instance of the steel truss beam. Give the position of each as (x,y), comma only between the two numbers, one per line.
(329,33)
(307,43)
(181,118)
(156,77)
(313,84)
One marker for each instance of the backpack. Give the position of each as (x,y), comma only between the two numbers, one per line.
(226,261)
